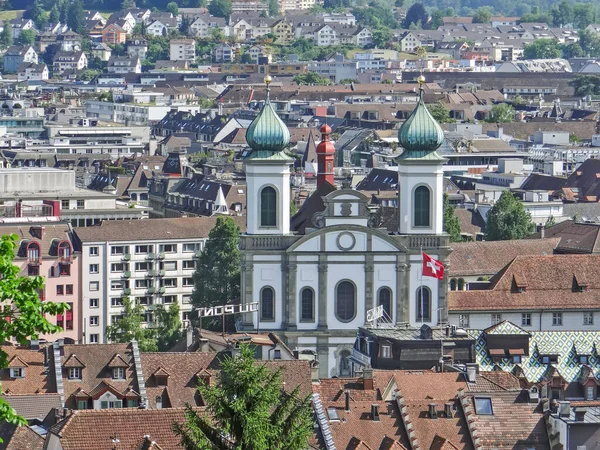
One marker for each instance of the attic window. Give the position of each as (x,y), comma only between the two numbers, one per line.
(483,406)
(17,372)
(549,359)
(161,380)
(333,415)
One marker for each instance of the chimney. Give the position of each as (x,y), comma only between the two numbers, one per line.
(564,409)
(347,393)
(368,378)
(448,410)
(203,345)
(448,331)
(580,414)
(34,344)
(314,371)
(472,372)
(542,232)
(189,337)
(432,411)
(375,413)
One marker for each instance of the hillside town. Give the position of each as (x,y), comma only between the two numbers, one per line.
(297,224)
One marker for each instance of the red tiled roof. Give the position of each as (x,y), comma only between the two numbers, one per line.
(19,438)
(35,379)
(117,361)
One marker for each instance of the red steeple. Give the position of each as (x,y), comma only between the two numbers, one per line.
(325,156)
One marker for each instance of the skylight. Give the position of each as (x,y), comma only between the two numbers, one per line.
(483,406)
(333,414)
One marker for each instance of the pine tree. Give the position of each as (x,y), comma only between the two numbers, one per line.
(22,315)
(451,222)
(217,275)
(246,409)
(508,219)
(6,37)
(76,17)
(54,14)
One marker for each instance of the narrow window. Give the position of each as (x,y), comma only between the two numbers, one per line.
(422,206)
(267,304)
(268,207)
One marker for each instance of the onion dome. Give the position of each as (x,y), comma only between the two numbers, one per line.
(267,132)
(326,146)
(420,133)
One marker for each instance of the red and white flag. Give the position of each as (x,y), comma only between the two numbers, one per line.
(432,267)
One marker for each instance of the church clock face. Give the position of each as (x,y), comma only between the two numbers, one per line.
(346,241)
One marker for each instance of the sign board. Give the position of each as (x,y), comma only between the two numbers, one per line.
(375,313)
(227,309)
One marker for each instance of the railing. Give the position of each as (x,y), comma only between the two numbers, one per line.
(425,241)
(152,273)
(126,257)
(126,274)
(151,290)
(68,259)
(150,256)
(35,261)
(267,242)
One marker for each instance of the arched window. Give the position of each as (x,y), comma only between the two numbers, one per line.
(345,301)
(268,207)
(307,305)
(33,250)
(64,249)
(385,300)
(267,304)
(423,304)
(461,284)
(422,206)
(453,284)
(345,366)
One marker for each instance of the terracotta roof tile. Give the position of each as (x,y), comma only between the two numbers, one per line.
(36,378)
(34,406)
(19,438)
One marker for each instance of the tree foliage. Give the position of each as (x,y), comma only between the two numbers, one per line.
(217,275)
(220,8)
(440,113)
(416,14)
(482,15)
(22,314)
(247,410)
(502,113)
(130,326)
(311,79)
(451,222)
(542,49)
(76,17)
(26,37)
(6,37)
(168,330)
(172,8)
(508,219)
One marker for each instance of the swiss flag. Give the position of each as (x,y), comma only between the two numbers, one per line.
(432,267)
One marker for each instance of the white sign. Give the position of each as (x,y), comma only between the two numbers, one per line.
(375,313)
(227,309)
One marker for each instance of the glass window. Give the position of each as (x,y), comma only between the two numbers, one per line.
(267,304)
(589,393)
(94,285)
(93,251)
(169,265)
(422,206)
(345,301)
(496,318)
(74,373)
(60,289)
(94,302)
(117,250)
(385,300)
(463,320)
(94,268)
(119,373)
(588,318)
(526,319)
(116,301)
(169,248)
(82,404)
(143,266)
(94,320)
(483,406)
(141,249)
(423,304)
(307,305)
(557,319)
(268,207)
(189,264)
(169,299)
(386,351)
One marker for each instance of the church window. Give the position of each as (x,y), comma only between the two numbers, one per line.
(461,284)
(423,304)
(345,366)
(385,300)
(453,284)
(268,207)
(267,304)
(345,301)
(422,206)
(307,305)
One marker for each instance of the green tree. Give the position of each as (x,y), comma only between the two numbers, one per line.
(508,219)
(573,50)
(274,9)
(451,222)
(220,8)
(172,8)
(502,113)
(542,49)
(311,78)
(440,113)
(246,409)
(76,17)
(589,43)
(217,275)
(54,14)
(584,14)
(23,315)
(482,15)
(416,14)
(6,37)
(129,327)
(88,75)
(381,37)
(26,37)
(168,327)
(562,14)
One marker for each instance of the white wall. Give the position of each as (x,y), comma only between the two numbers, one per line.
(572,320)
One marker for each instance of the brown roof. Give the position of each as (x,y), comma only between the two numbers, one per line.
(182,381)
(153,229)
(35,379)
(495,381)
(96,375)
(551,282)
(53,233)
(294,373)
(19,438)
(489,257)
(33,406)
(97,429)
(470,221)
(574,237)
(514,424)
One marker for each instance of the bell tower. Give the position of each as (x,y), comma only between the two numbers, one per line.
(325,157)
(268,173)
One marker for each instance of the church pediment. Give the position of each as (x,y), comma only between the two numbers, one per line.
(345,239)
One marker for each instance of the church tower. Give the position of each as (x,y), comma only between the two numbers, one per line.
(325,156)
(420,172)
(268,173)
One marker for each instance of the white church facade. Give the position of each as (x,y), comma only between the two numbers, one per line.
(316,281)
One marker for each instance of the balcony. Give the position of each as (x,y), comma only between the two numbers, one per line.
(126,291)
(161,255)
(152,273)
(161,273)
(126,257)
(150,255)
(65,259)
(151,290)
(126,274)
(267,242)
(198,253)
(161,290)
(34,261)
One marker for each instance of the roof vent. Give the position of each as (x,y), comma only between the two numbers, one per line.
(448,410)
(433,411)
(375,413)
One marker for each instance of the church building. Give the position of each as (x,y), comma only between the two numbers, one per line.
(315,275)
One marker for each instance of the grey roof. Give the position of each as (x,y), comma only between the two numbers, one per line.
(35,406)
(413,334)
(591,211)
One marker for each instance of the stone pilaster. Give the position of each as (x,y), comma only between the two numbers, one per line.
(246,289)
(369,284)
(322,294)
(291,297)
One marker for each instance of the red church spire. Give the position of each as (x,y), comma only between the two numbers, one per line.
(325,156)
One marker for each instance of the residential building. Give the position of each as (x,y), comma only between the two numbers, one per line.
(69,61)
(17,55)
(102,51)
(43,40)
(124,64)
(113,34)
(223,53)
(161,27)
(137,47)
(32,72)
(202,25)
(19,24)
(409,42)
(151,262)
(126,113)
(69,41)
(182,49)
(296,5)
(283,31)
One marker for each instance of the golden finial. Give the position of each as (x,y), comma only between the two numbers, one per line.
(268,80)
(421,79)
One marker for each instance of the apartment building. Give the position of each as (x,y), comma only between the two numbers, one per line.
(182,50)
(150,261)
(127,113)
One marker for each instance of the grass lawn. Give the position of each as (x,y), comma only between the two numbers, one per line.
(9,15)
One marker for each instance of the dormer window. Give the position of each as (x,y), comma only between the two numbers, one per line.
(17,372)
(74,373)
(118,373)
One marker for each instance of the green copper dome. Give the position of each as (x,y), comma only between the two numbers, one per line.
(421,132)
(267,132)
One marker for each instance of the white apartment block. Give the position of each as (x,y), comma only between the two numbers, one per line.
(127,113)
(182,50)
(150,261)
